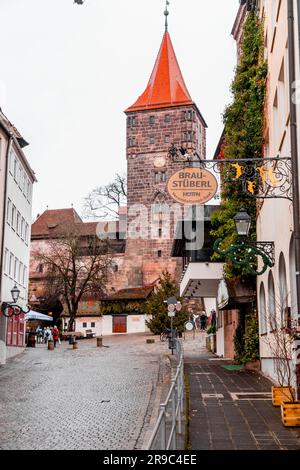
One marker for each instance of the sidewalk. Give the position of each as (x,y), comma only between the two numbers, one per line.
(229,409)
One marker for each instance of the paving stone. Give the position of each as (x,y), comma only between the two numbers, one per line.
(89,398)
(238,424)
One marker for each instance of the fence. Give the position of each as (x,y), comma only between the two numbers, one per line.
(169,422)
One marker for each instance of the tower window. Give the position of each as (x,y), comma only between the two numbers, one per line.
(160,232)
(152,140)
(40,268)
(131,142)
(167,139)
(159,254)
(189,136)
(189,115)
(167,118)
(131,121)
(160,177)
(152,120)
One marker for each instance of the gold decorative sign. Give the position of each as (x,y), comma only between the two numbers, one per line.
(192,186)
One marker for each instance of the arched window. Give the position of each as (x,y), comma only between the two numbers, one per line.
(293,288)
(271,303)
(283,292)
(262,310)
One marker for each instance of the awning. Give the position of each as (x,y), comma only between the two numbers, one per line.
(37,316)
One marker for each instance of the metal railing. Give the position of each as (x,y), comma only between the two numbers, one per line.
(169,422)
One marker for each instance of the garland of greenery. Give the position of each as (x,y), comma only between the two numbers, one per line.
(120,306)
(244,125)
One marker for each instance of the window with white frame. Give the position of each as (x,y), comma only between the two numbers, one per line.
(23,228)
(15,168)
(20,175)
(263,310)
(6,261)
(18,224)
(24,276)
(8,211)
(20,272)
(11,162)
(16,269)
(11,264)
(26,233)
(13,217)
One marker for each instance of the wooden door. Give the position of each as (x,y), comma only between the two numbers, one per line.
(120,324)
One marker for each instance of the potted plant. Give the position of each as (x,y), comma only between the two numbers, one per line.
(281,341)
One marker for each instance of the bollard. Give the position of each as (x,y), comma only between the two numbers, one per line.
(75,345)
(51,345)
(99,342)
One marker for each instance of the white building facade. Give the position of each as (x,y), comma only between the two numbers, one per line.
(15,247)
(276,288)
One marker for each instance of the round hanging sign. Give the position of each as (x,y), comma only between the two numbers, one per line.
(192,186)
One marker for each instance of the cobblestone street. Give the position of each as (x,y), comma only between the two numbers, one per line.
(90,398)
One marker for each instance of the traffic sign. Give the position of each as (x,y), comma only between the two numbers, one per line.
(189,326)
(171,314)
(171,308)
(171,300)
(178,306)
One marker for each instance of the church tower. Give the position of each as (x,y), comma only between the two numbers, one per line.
(164,114)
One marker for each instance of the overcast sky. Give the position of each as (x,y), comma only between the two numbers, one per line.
(68,72)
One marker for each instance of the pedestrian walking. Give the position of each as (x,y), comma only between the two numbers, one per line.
(203,321)
(39,334)
(55,333)
(47,335)
(195,320)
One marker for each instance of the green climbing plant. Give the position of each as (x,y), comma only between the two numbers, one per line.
(244,124)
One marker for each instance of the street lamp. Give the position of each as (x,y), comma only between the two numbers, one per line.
(242,223)
(244,253)
(12,308)
(173,306)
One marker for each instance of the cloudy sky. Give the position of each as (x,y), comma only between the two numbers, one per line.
(68,72)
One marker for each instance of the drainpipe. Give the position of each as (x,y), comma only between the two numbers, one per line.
(295,169)
(2,330)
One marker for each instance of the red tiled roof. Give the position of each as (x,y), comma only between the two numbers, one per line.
(137,293)
(166,87)
(50,221)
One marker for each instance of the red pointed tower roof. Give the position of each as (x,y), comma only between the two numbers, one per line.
(166,87)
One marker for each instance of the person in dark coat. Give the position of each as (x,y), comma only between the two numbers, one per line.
(203,320)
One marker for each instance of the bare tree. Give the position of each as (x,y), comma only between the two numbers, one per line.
(104,202)
(76,267)
(281,341)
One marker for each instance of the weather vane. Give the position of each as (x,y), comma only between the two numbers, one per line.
(166,13)
(79,2)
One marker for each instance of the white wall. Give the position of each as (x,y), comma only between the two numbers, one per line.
(104,325)
(16,235)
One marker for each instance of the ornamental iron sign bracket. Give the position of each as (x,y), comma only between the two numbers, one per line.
(244,254)
(259,178)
